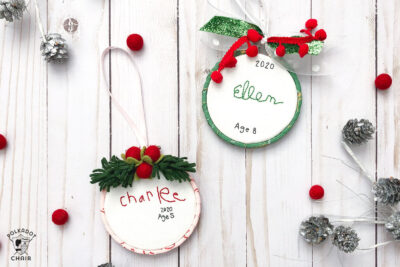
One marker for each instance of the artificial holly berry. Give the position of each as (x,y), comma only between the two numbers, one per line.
(3,141)
(316,192)
(252,51)
(280,50)
(134,42)
(133,152)
(383,81)
(216,76)
(320,35)
(311,24)
(303,50)
(231,62)
(59,217)
(253,35)
(144,170)
(153,152)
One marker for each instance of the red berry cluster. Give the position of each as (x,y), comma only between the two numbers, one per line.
(144,169)
(311,24)
(229,60)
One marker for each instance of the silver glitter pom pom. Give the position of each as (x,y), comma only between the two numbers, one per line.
(12,9)
(393,225)
(345,238)
(316,229)
(387,190)
(54,48)
(358,132)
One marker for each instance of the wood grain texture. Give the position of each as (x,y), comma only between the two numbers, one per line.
(388,149)
(78,135)
(58,121)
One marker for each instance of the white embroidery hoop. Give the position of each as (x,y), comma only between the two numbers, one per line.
(142,137)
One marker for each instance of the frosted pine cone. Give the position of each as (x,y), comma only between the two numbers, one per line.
(358,132)
(315,230)
(54,48)
(345,238)
(12,9)
(387,190)
(393,225)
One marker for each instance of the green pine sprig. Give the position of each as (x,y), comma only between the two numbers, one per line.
(174,168)
(121,172)
(114,173)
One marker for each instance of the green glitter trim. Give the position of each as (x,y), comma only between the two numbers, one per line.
(250,145)
(229,27)
(314,47)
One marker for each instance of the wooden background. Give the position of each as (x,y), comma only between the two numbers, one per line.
(59,124)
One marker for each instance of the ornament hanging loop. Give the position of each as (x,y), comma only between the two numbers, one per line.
(142,137)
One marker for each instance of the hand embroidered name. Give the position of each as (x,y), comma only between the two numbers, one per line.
(246,92)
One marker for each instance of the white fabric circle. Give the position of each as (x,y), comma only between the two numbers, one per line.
(152,216)
(255,102)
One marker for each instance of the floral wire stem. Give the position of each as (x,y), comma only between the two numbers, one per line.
(363,169)
(39,21)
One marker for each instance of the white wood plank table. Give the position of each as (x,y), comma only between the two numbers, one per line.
(59,125)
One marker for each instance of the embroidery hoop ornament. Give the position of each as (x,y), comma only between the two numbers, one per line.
(233,141)
(187,190)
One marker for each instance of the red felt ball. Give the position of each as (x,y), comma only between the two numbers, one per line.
(280,50)
(303,50)
(216,76)
(231,62)
(311,24)
(144,170)
(3,141)
(316,192)
(383,81)
(133,152)
(59,217)
(252,51)
(153,152)
(320,35)
(134,42)
(253,35)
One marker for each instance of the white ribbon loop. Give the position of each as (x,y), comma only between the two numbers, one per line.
(142,138)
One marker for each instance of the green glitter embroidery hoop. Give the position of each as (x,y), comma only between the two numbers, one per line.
(257,144)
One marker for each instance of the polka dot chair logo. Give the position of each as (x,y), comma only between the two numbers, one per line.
(20,238)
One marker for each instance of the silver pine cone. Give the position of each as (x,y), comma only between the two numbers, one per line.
(358,132)
(54,48)
(315,230)
(345,238)
(393,225)
(12,9)
(387,190)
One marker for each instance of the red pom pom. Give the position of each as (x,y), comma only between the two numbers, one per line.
(320,35)
(59,217)
(252,51)
(3,141)
(144,170)
(383,81)
(311,24)
(216,76)
(316,192)
(253,35)
(153,152)
(280,50)
(303,50)
(133,152)
(134,42)
(231,62)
